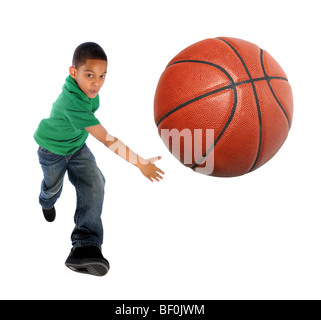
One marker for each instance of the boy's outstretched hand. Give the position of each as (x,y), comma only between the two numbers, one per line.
(149,170)
(147,167)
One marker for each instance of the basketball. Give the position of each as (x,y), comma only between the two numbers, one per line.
(223,107)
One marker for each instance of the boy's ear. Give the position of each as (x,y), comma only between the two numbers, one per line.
(73,72)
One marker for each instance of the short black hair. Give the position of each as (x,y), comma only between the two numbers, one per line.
(86,51)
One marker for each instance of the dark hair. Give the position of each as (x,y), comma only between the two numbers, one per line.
(88,50)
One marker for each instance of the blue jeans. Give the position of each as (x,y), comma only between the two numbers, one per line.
(89,183)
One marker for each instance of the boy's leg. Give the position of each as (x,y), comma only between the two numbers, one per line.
(54,168)
(89,183)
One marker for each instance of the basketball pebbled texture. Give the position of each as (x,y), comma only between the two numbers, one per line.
(231,86)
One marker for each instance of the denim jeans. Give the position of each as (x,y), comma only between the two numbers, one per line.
(89,183)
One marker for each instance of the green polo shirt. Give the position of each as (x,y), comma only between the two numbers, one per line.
(63,132)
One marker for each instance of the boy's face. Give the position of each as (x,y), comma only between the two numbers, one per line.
(90,76)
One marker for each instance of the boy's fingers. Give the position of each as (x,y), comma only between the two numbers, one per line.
(160,171)
(158,176)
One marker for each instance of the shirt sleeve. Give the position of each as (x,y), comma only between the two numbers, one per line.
(80,115)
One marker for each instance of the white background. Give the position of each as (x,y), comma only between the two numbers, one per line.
(190,236)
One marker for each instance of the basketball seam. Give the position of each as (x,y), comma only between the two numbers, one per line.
(197,163)
(232,85)
(256,100)
(274,95)
(191,101)
(203,95)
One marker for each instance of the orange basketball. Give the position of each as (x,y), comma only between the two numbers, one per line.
(223,107)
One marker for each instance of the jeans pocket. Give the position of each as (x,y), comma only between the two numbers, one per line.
(45,151)
(46,157)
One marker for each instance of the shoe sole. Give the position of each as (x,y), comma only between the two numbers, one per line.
(94,267)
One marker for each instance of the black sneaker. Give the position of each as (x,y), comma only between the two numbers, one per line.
(50,215)
(88,260)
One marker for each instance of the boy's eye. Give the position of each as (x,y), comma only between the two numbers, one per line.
(103,76)
(89,75)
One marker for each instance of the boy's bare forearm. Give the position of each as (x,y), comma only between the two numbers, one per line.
(113,143)
(123,151)
(147,167)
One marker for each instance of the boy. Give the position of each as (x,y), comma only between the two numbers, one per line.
(62,148)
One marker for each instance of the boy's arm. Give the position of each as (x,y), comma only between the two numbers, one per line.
(147,167)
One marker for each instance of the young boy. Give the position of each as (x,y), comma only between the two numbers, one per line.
(62,148)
